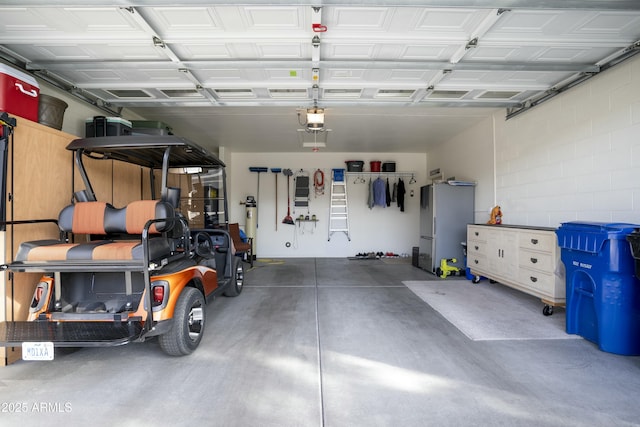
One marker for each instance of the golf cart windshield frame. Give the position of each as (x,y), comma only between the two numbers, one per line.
(153,152)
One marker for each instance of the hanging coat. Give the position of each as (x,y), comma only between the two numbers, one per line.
(401,192)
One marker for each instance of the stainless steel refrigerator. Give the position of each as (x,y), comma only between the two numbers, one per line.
(445,210)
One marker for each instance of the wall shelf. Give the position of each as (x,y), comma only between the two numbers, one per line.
(398,173)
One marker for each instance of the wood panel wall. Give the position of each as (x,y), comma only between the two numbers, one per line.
(43,183)
(40,188)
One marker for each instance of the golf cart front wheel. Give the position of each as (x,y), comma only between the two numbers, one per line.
(189,319)
(237,281)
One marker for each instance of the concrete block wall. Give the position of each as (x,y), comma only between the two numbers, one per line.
(576,157)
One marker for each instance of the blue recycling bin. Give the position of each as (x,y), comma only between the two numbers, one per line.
(603,292)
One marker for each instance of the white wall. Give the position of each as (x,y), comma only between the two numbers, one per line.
(470,156)
(576,157)
(378,229)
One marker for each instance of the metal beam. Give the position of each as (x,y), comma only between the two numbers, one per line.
(490,103)
(350,64)
(484,4)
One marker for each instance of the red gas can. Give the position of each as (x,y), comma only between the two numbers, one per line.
(19,93)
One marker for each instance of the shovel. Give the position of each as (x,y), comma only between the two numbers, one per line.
(287,219)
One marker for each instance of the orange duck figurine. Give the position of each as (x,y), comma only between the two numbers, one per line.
(496,216)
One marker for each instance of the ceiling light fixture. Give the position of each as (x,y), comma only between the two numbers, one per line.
(315,118)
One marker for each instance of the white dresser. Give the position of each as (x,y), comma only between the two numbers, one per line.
(524,258)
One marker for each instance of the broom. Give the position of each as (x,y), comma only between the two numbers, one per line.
(287,219)
(276,171)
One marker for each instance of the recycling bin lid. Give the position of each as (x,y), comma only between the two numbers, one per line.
(591,236)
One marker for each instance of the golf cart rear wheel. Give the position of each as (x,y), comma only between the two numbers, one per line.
(188,324)
(237,281)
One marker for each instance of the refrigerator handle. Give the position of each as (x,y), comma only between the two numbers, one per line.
(434,226)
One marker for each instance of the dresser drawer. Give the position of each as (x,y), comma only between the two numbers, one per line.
(477,233)
(476,261)
(538,241)
(542,282)
(542,261)
(475,247)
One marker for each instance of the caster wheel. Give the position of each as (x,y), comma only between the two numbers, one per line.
(547,310)
(476,279)
(438,272)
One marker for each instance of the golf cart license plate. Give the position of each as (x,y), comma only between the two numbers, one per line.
(37,351)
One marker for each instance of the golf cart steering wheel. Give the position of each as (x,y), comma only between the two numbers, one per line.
(202,243)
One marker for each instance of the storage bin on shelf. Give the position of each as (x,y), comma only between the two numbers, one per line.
(107,126)
(51,111)
(603,292)
(19,93)
(375,165)
(388,166)
(354,165)
(150,127)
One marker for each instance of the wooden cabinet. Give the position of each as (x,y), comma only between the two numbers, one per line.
(502,254)
(525,258)
(38,187)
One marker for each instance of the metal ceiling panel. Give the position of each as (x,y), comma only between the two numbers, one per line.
(384,53)
(569,26)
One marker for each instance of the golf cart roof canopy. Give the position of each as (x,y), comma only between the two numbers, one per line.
(148,151)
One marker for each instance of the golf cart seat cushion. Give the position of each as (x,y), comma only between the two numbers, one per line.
(99,218)
(83,218)
(43,250)
(125,250)
(53,250)
(96,250)
(141,211)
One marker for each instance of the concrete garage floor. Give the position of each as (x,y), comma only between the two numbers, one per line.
(329,342)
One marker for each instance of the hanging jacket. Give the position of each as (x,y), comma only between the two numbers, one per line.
(387,194)
(401,192)
(379,193)
(370,199)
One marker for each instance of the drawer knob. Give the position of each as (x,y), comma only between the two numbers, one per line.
(476,233)
(534,260)
(534,241)
(475,261)
(533,279)
(477,247)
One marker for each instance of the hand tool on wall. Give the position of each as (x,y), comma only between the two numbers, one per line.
(258,170)
(287,219)
(276,172)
